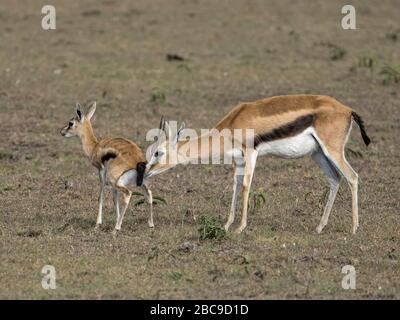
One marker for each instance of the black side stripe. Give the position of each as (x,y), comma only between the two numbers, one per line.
(288,130)
(140,168)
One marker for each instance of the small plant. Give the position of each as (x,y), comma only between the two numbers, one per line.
(367,62)
(257,199)
(391,74)
(5,188)
(210,229)
(176,275)
(157,97)
(153,254)
(30,233)
(7,155)
(337,53)
(139,202)
(184,66)
(355,153)
(393,35)
(313,199)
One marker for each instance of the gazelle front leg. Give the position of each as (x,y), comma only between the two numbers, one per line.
(250,164)
(102,177)
(149,197)
(237,185)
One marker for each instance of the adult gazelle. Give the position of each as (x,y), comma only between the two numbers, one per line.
(289,126)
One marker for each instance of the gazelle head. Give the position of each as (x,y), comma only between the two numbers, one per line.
(165,154)
(76,125)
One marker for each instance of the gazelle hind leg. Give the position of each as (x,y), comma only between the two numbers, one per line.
(332,144)
(333,177)
(115,194)
(102,177)
(149,197)
(341,164)
(250,164)
(125,197)
(237,185)
(352,179)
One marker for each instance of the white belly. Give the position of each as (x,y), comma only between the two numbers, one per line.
(128,178)
(293,147)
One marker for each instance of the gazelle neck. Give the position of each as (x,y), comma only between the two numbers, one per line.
(200,148)
(88,139)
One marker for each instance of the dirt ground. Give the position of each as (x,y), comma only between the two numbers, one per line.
(114,52)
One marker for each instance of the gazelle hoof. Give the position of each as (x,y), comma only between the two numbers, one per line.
(240,229)
(319,229)
(97,227)
(151,224)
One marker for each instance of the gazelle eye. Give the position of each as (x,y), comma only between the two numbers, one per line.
(156,154)
(70,124)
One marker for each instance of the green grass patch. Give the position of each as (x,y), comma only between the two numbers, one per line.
(337,53)
(157,97)
(210,229)
(176,275)
(257,199)
(389,72)
(142,200)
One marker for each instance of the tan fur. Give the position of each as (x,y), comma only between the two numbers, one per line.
(125,156)
(128,153)
(331,122)
(268,114)
(128,156)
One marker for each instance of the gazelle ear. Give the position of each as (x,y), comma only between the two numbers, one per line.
(167,129)
(79,111)
(179,133)
(162,123)
(91,111)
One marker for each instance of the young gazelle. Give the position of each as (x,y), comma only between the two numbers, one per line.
(285,126)
(120,162)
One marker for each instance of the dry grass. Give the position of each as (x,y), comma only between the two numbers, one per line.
(115,52)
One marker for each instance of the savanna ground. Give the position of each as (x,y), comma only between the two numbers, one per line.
(114,52)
